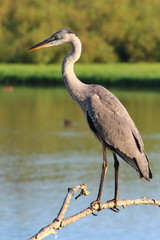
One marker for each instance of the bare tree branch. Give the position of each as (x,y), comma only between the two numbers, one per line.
(60,222)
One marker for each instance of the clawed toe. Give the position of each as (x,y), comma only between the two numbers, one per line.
(115,209)
(95,206)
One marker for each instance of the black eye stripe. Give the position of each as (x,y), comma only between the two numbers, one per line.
(56,37)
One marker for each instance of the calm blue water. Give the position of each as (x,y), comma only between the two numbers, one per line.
(40,158)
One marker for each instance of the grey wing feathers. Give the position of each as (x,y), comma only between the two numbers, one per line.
(111,123)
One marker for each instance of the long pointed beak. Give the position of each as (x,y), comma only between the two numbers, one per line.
(45,43)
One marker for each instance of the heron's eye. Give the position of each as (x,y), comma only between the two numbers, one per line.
(56,37)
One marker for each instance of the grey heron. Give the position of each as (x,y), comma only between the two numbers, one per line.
(106,116)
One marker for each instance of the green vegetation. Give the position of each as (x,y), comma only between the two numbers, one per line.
(111,31)
(112,75)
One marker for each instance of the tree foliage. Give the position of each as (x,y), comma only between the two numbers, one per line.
(110,30)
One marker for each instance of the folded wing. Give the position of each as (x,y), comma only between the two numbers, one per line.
(111,123)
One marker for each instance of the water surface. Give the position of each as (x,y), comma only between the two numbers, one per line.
(40,158)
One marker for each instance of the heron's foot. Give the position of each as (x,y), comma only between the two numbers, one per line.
(95,206)
(115,209)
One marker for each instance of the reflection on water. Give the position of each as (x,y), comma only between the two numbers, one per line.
(40,157)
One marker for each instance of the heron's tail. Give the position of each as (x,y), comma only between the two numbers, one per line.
(141,164)
(146,174)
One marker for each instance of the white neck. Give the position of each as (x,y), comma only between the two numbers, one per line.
(73,84)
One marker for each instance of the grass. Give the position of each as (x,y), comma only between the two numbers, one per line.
(112,75)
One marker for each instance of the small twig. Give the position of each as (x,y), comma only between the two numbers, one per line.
(83,192)
(65,204)
(56,224)
(59,222)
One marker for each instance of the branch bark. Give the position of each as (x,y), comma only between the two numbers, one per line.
(60,222)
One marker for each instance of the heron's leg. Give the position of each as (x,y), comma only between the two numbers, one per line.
(116,169)
(104,170)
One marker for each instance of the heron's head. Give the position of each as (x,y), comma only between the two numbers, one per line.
(58,38)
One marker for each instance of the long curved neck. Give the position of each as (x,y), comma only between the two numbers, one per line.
(75,87)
